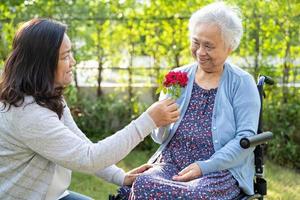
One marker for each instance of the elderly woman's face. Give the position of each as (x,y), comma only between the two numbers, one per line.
(208,47)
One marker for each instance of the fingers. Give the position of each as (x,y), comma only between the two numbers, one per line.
(189,175)
(183,175)
(172,107)
(129,179)
(140,169)
(169,101)
(133,174)
(143,168)
(184,171)
(175,114)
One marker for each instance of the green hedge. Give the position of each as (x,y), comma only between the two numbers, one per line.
(103,116)
(282,117)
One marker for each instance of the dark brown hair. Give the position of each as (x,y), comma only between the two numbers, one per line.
(30,68)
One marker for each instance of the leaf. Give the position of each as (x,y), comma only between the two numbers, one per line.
(165,90)
(159,89)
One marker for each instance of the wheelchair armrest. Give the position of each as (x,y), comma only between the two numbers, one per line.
(255,140)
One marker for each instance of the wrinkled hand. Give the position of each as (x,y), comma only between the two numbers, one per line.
(189,173)
(164,112)
(132,174)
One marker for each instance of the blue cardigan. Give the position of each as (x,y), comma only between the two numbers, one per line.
(235,115)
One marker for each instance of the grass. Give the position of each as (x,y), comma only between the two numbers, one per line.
(283,184)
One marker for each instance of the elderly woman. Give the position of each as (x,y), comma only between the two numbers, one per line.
(200,156)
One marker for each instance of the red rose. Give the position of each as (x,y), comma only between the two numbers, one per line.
(173,78)
(173,84)
(182,79)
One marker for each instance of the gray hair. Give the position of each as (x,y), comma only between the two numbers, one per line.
(227,18)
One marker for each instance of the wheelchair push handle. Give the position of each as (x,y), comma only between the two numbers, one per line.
(255,140)
(265,79)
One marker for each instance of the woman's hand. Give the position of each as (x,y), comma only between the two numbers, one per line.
(164,112)
(189,173)
(132,174)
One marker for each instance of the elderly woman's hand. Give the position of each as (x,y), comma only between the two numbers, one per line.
(189,173)
(131,175)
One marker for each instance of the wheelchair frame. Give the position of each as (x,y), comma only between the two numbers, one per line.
(258,141)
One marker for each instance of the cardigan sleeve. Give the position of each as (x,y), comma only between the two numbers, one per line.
(246,107)
(41,131)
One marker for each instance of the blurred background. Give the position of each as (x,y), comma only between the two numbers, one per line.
(123,47)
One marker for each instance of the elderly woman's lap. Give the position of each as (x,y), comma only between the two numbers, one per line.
(157,183)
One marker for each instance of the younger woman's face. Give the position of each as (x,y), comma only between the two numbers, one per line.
(64,74)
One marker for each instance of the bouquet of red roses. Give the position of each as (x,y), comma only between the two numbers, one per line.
(173,83)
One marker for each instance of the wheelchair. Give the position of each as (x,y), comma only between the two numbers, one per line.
(258,141)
